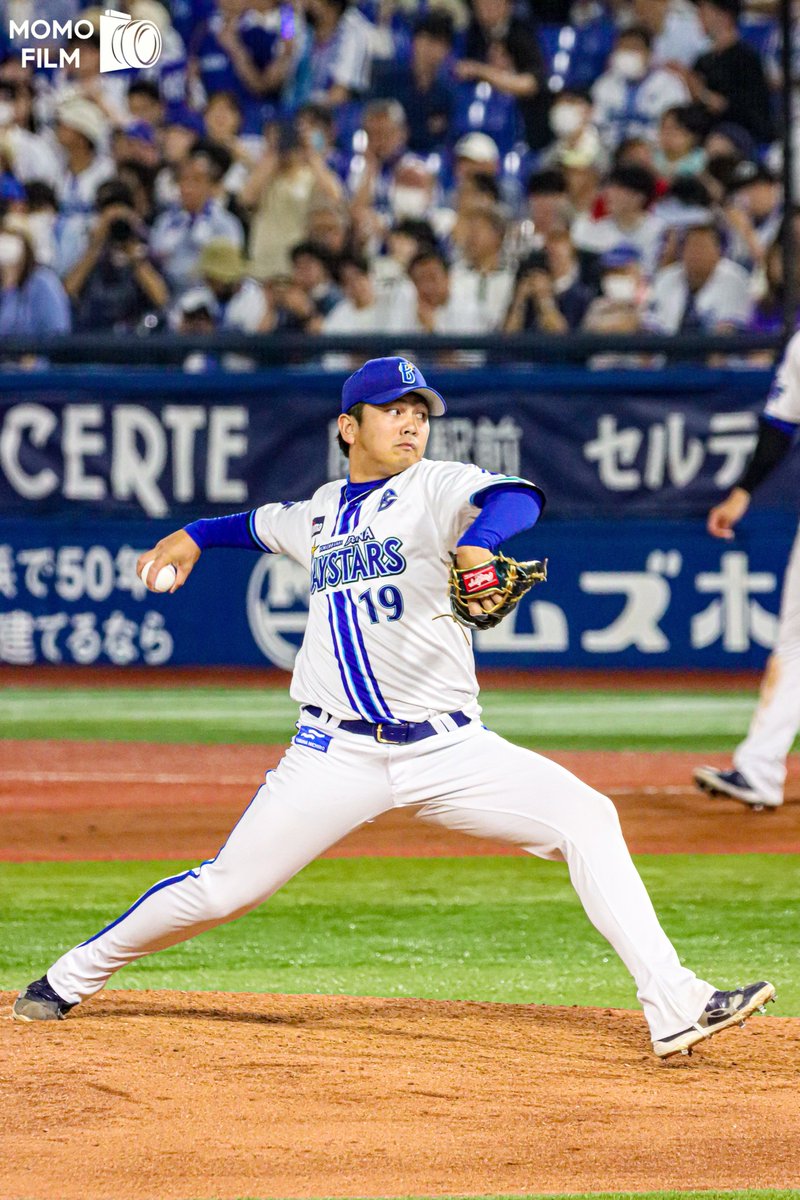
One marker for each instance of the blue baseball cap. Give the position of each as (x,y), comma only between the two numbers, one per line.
(382,380)
(620,256)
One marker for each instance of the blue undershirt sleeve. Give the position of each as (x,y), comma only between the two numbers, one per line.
(234,532)
(505,512)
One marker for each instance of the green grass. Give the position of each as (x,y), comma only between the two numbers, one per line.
(492,929)
(641,720)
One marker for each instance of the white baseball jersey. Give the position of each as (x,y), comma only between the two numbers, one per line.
(783,402)
(379,584)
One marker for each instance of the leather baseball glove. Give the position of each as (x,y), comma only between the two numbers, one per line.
(505,577)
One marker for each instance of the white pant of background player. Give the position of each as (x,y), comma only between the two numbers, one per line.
(761,757)
(465,778)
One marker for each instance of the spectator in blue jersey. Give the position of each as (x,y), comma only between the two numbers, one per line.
(246,51)
(187,15)
(170,72)
(630,96)
(32,299)
(422,85)
(179,234)
(502,50)
(336,67)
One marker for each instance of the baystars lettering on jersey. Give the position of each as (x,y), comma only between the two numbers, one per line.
(361,557)
(379,569)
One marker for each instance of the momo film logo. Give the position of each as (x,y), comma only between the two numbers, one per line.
(124,42)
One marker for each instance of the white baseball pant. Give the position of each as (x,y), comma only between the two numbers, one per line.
(761,757)
(467,779)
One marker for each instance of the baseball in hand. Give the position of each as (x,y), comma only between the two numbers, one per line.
(165,578)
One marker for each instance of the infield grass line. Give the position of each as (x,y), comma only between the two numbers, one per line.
(641,720)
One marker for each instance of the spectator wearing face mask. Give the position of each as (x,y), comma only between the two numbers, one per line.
(704,292)
(631,95)
(382,142)
(628,192)
(32,299)
(576,137)
(623,291)
(414,196)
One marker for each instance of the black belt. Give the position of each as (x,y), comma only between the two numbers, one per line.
(392,733)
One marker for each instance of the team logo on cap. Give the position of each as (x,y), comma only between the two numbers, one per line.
(408,372)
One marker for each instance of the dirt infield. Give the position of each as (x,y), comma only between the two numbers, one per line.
(166,1096)
(184,1096)
(126,800)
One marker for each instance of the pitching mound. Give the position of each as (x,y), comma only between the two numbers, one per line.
(172,1095)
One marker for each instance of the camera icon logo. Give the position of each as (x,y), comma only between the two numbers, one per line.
(125,43)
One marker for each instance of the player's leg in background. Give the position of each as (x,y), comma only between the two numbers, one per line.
(490,788)
(306,805)
(761,757)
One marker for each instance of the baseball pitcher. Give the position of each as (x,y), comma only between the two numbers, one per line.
(402,561)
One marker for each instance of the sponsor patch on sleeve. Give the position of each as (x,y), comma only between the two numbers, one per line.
(316,525)
(315,739)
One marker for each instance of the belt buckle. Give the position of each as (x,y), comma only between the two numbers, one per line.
(390,741)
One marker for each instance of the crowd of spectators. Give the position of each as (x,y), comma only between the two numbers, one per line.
(455,166)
